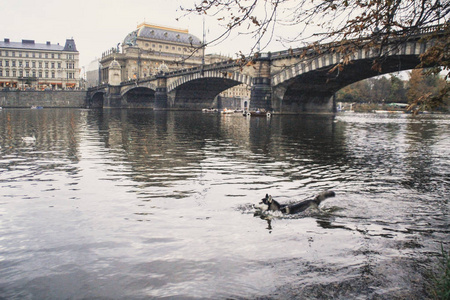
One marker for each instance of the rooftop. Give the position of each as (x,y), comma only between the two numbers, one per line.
(162,33)
(32,45)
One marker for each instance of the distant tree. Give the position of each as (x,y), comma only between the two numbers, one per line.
(360,92)
(381,88)
(422,86)
(352,24)
(397,90)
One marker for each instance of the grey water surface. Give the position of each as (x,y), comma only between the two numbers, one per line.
(138,204)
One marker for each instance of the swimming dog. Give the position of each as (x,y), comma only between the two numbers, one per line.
(273,205)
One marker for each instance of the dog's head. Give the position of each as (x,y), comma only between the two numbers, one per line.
(267,199)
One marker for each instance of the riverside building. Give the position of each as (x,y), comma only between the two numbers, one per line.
(150,49)
(31,65)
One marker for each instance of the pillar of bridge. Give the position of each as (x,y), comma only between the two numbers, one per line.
(261,92)
(161,92)
(112,97)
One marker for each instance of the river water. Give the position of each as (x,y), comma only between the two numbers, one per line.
(137,204)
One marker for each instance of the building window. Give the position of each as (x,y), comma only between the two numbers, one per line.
(20,64)
(46,74)
(7,73)
(6,53)
(26,54)
(34,54)
(27,64)
(20,54)
(59,55)
(14,73)
(53,55)
(6,63)
(40,74)
(59,65)
(34,73)
(53,65)
(40,55)
(40,64)
(20,73)
(1,73)
(13,53)
(46,55)
(53,74)
(1,63)
(33,64)
(46,65)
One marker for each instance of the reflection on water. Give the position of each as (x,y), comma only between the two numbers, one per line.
(137,204)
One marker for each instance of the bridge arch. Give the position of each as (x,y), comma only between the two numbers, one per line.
(218,74)
(184,91)
(96,100)
(138,96)
(126,88)
(309,85)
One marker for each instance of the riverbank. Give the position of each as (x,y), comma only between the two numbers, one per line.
(373,107)
(48,99)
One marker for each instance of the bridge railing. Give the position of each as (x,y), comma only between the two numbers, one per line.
(312,50)
(97,88)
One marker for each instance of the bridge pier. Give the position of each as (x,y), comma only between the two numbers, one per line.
(112,97)
(161,93)
(261,93)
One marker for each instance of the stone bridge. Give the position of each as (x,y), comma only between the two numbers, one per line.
(290,81)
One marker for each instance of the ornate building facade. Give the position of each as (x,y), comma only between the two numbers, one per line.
(30,65)
(150,49)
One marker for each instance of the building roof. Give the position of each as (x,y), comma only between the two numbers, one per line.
(31,45)
(167,34)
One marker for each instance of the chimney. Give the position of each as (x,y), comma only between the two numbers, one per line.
(6,40)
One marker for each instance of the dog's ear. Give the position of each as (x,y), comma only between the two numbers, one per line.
(267,196)
(269,199)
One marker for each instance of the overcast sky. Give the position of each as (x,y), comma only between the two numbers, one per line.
(98,25)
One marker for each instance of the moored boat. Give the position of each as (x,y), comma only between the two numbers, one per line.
(210,110)
(257,113)
(227,111)
(388,111)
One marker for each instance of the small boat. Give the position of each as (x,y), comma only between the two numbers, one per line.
(210,110)
(388,111)
(29,139)
(227,111)
(257,113)
(36,107)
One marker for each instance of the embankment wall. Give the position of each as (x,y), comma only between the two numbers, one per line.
(27,99)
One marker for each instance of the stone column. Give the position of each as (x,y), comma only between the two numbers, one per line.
(261,93)
(161,92)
